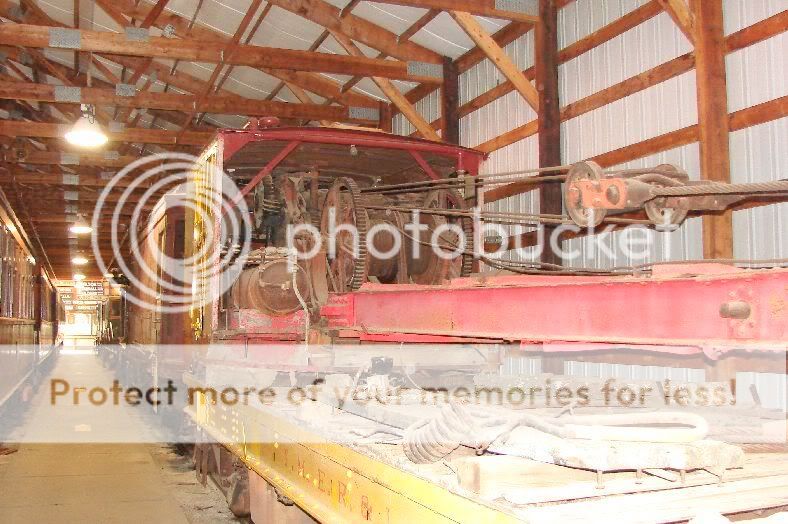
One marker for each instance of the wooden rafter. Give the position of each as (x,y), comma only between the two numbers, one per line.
(230,48)
(130,134)
(359,29)
(195,50)
(314,83)
(476,7)
(680,12)
(498,56)
(220,104)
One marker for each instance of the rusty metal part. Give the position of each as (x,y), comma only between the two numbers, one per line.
(582,215)
(269,288)
(347,270)
(662,212)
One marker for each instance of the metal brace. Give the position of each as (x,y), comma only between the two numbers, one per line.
(526,7)
(65,38)
(107,175)
(168,31)
(425,69)
(363,113)
(137,34)
(69,159)
(71,195)
(116,127)
(72,209)
(68,94)
(70,180)
(111,155)
(127,90)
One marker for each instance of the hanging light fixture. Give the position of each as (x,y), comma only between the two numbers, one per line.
(79,260)
(80,227)
(78,277)
(86,132)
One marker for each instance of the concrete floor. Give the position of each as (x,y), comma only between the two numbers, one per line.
(97,482)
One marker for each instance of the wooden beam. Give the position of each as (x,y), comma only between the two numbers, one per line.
(475,7)
(742,119)
(88,180)
(714,131)
(56,158)
(679,11)
(392,93)
(143,135)
(549,121)
(498,56)
(221,104)
(195,50)
(359,29)
(758,32)
(450,101)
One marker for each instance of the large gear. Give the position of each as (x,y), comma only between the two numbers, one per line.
(345,197)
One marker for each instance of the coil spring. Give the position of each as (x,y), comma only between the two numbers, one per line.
(430,440)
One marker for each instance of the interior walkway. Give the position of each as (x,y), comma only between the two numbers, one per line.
(95,482)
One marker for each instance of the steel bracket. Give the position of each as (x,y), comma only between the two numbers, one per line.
(363,113)
(68,94)
(69,159)
(425,69)
(70,180)
(111,155)
(65,38)
(127,90)
(137,34)
(116,127)
(526,7)
(71,195)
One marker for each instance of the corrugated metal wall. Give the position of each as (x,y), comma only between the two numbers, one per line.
(756,74)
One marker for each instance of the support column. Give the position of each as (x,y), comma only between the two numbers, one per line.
(713,120)
(384,123)
(546,69)
(450,102)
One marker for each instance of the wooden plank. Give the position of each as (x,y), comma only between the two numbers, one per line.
(359,29)
(549,121)
(758,32)
(221,104)
(502,37)
(143,135)
(751,116)
(498,56)
(450,101)
(475,7)
(195,50)
(679,11)
(510,137)
(54,158)
(675,505)
(713,121)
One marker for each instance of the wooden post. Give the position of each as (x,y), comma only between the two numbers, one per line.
(385,117)
(546,74)
(713,120)
(450,102)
